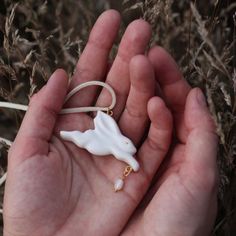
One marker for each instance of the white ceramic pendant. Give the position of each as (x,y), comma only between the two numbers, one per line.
(104,139)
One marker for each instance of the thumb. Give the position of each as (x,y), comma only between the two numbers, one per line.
(40,118)
(202,142)
(197,114)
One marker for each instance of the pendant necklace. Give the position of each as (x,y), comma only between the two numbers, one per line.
(106,137)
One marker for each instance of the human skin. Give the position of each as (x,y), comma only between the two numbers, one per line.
(55,188)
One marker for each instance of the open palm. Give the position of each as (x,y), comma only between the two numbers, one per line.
(182,199)
(55,188)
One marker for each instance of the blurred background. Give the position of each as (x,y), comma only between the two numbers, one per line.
(36,37)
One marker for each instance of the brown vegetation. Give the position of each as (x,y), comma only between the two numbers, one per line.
(36,37)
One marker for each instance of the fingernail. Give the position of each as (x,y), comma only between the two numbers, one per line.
(201,98)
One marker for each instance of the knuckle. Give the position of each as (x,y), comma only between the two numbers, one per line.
(99,42)
(155,146)
(134,111)
(85,73)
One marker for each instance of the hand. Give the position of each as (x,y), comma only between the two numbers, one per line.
(55,188)
(183,197)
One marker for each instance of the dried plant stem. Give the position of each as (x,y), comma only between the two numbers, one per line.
(8,142)
(3,179)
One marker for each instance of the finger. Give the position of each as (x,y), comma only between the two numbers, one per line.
(93,62)
(156,145)
(175,89)
(134,118)
(134,42)
(197,115)
(201,146)
(39,120)
(151,153)
(195,175)
(201,130)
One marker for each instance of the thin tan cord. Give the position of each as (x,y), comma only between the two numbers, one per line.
(89,109)
(69,95)
(66,110)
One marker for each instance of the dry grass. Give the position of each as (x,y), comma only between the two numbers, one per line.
(36,37)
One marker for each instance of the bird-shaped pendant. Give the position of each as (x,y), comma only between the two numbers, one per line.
(105,139)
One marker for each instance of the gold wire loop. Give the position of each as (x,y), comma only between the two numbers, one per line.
(109,112)
(127,171)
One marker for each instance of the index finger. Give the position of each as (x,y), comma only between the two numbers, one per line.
(133,42)
(93,62)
